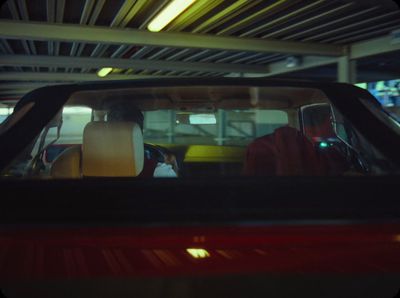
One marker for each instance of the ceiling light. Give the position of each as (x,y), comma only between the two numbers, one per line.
(104,71)
(293,61)
(169,13)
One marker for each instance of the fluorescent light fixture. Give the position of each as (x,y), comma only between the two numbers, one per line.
(169,13)
(202,119)
(104,71)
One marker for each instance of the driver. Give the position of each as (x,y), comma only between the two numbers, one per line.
(124,111)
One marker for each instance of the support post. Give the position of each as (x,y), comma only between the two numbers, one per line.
(347,70)
(221,127)
(172,123)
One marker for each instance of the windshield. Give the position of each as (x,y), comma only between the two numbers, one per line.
(199,131)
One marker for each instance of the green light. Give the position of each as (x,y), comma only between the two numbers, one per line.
(198,253)
(104,71)
(323,145)
(168,14)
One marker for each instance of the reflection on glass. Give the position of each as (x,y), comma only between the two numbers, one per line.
(198,253)
(202,119)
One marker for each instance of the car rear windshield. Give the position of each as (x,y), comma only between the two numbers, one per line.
(198,131)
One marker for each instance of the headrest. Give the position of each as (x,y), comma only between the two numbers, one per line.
(112,149)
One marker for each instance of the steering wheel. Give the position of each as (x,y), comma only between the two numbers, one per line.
(161,154)
(154,152)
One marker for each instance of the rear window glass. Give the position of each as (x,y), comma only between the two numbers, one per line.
(5,112)
(201,131)
(239,126)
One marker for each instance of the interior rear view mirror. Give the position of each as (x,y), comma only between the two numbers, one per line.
(196,119)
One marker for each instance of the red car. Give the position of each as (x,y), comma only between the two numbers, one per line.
(199,188)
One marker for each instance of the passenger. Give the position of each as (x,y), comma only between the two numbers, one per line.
(123,112)
(285,152)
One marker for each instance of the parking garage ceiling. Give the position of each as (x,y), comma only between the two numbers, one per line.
(51,41)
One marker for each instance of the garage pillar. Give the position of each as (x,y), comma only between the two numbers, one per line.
(347,70)
(221,127)
(171,130)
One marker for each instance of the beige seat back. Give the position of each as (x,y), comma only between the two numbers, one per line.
(108,150)
(67,164)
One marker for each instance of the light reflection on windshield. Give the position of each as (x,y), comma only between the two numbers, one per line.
(198,253)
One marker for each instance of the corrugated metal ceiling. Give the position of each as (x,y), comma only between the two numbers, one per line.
(337,22)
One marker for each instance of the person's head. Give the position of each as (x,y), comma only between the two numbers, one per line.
(125,111)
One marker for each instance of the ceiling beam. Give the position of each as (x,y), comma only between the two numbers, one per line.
(372,47)
(64,77)
(24,85)
(17,92)
(90,62)
(97,34)
(330,74)
(307,62)
(17,89)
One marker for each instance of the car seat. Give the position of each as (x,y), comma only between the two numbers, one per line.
(285,152)
(108,150)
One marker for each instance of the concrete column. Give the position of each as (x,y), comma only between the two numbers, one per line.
(347,70)
(221,127)
(172,123)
